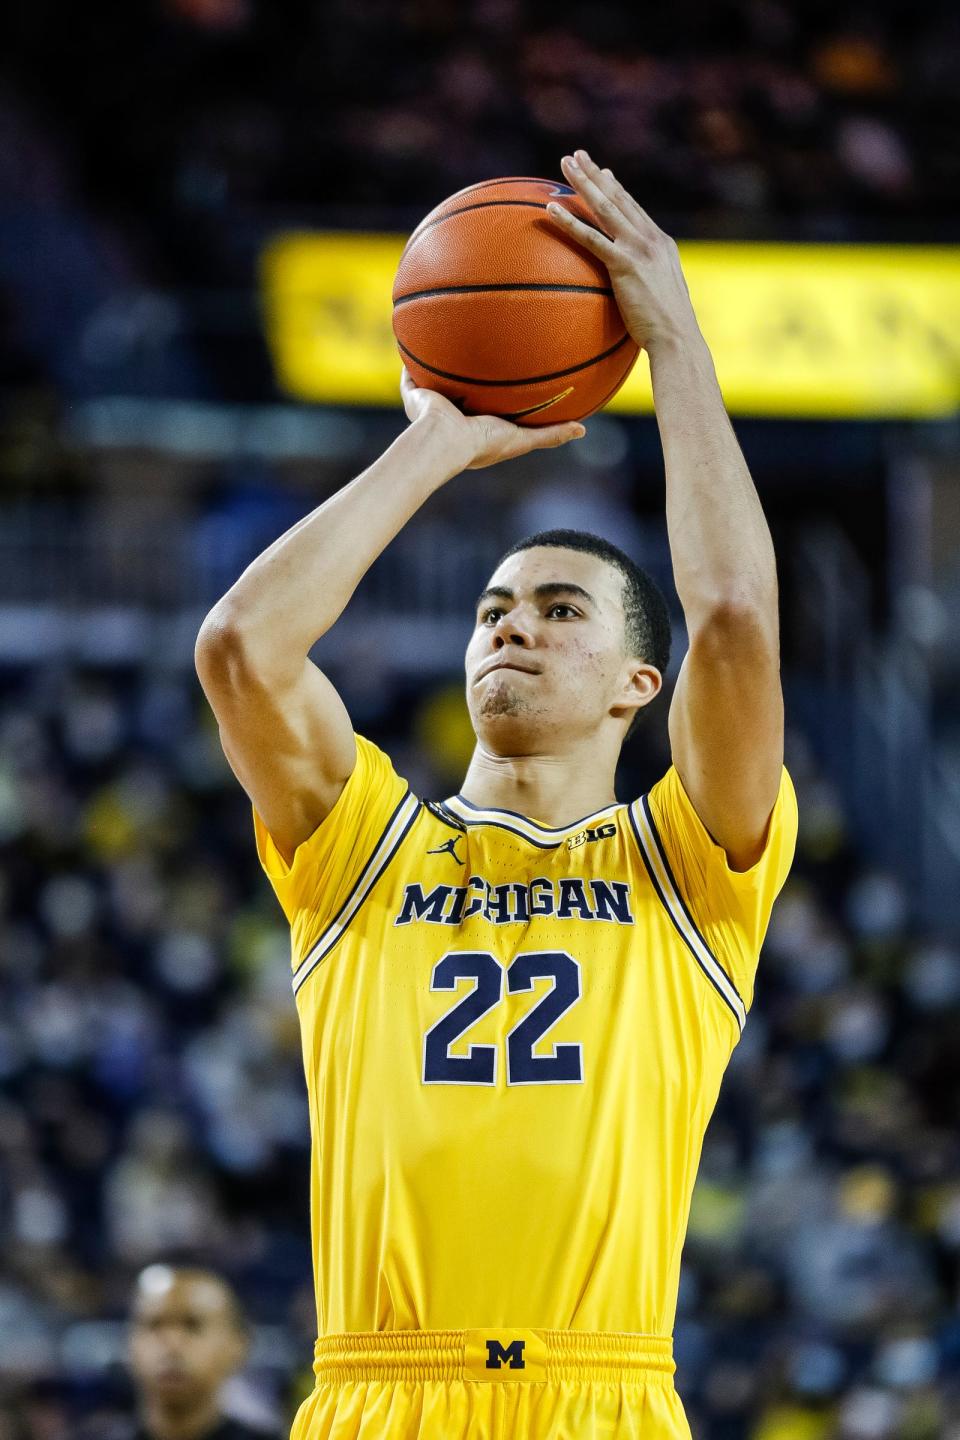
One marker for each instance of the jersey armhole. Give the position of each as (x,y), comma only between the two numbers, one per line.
(391,838)
(654,856)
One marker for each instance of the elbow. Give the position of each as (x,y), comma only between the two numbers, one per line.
(739,622)
(231,658)
(219,646)
(742,606)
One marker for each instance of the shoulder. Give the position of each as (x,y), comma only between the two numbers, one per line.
(669,812)
(374,793)
(373,813)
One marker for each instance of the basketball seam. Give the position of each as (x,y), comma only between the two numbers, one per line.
(527,380)
(462,210)
(480,205)
(484,289)
(610,393)
(513,180)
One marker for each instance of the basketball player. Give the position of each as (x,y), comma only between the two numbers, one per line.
(517,1005)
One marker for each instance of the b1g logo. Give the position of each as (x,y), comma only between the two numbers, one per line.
(497,1353)
(586,837)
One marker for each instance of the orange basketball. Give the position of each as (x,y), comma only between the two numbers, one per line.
(494,307)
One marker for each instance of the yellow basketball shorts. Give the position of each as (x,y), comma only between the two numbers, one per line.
(492,1385)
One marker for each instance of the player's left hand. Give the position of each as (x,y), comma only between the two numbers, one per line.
(643,261)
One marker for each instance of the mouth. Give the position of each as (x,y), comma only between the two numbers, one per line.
(520,669)
(172,1377)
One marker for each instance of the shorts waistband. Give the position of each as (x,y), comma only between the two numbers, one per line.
(507,1355)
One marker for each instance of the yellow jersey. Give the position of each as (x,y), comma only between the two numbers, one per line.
(513,1039)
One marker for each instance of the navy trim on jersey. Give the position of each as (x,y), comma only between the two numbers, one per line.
(440,812)
(540,835)
(501,825)
(550,829)
(676,924)
(648,811)
(379,841)
(373,869)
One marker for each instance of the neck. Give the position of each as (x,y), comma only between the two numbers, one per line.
(162,1423)
(557,790)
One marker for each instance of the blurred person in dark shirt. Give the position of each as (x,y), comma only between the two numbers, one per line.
(188,1335)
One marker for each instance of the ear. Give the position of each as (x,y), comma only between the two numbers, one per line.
(642,684)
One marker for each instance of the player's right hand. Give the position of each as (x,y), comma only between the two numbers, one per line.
(482,440)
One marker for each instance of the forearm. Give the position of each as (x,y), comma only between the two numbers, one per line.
(298,587)
(720,543)
(722,553)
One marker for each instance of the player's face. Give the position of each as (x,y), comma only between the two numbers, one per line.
(184,1341)
(547,660)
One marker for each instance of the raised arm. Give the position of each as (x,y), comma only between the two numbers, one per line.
(283,727)
(726,718)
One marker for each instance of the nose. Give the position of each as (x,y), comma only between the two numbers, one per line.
(511,630)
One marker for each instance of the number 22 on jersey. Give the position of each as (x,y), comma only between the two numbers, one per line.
(479,1066)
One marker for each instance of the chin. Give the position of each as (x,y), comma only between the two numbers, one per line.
(510,733)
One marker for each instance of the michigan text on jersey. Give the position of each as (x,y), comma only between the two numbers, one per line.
(570,897)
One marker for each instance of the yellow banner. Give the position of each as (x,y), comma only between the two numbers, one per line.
(802,330)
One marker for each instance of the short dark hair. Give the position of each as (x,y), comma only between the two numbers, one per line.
(189,1267)
(647,619)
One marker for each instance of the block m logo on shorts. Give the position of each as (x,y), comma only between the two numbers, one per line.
(497,1353)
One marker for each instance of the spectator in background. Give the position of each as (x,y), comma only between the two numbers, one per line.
(188,1336)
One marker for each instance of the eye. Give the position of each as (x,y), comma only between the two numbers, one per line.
(561,605)
(485,615)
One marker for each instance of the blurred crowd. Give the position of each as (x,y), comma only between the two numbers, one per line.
(148,155)
(152,1101)
(725,114)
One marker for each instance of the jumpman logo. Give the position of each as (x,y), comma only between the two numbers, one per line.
(449,847)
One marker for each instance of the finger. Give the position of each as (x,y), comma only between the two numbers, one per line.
(414,396)
(607,183)
(586,235)
(593,189)
(546,436)
(625,200)
(408,394)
